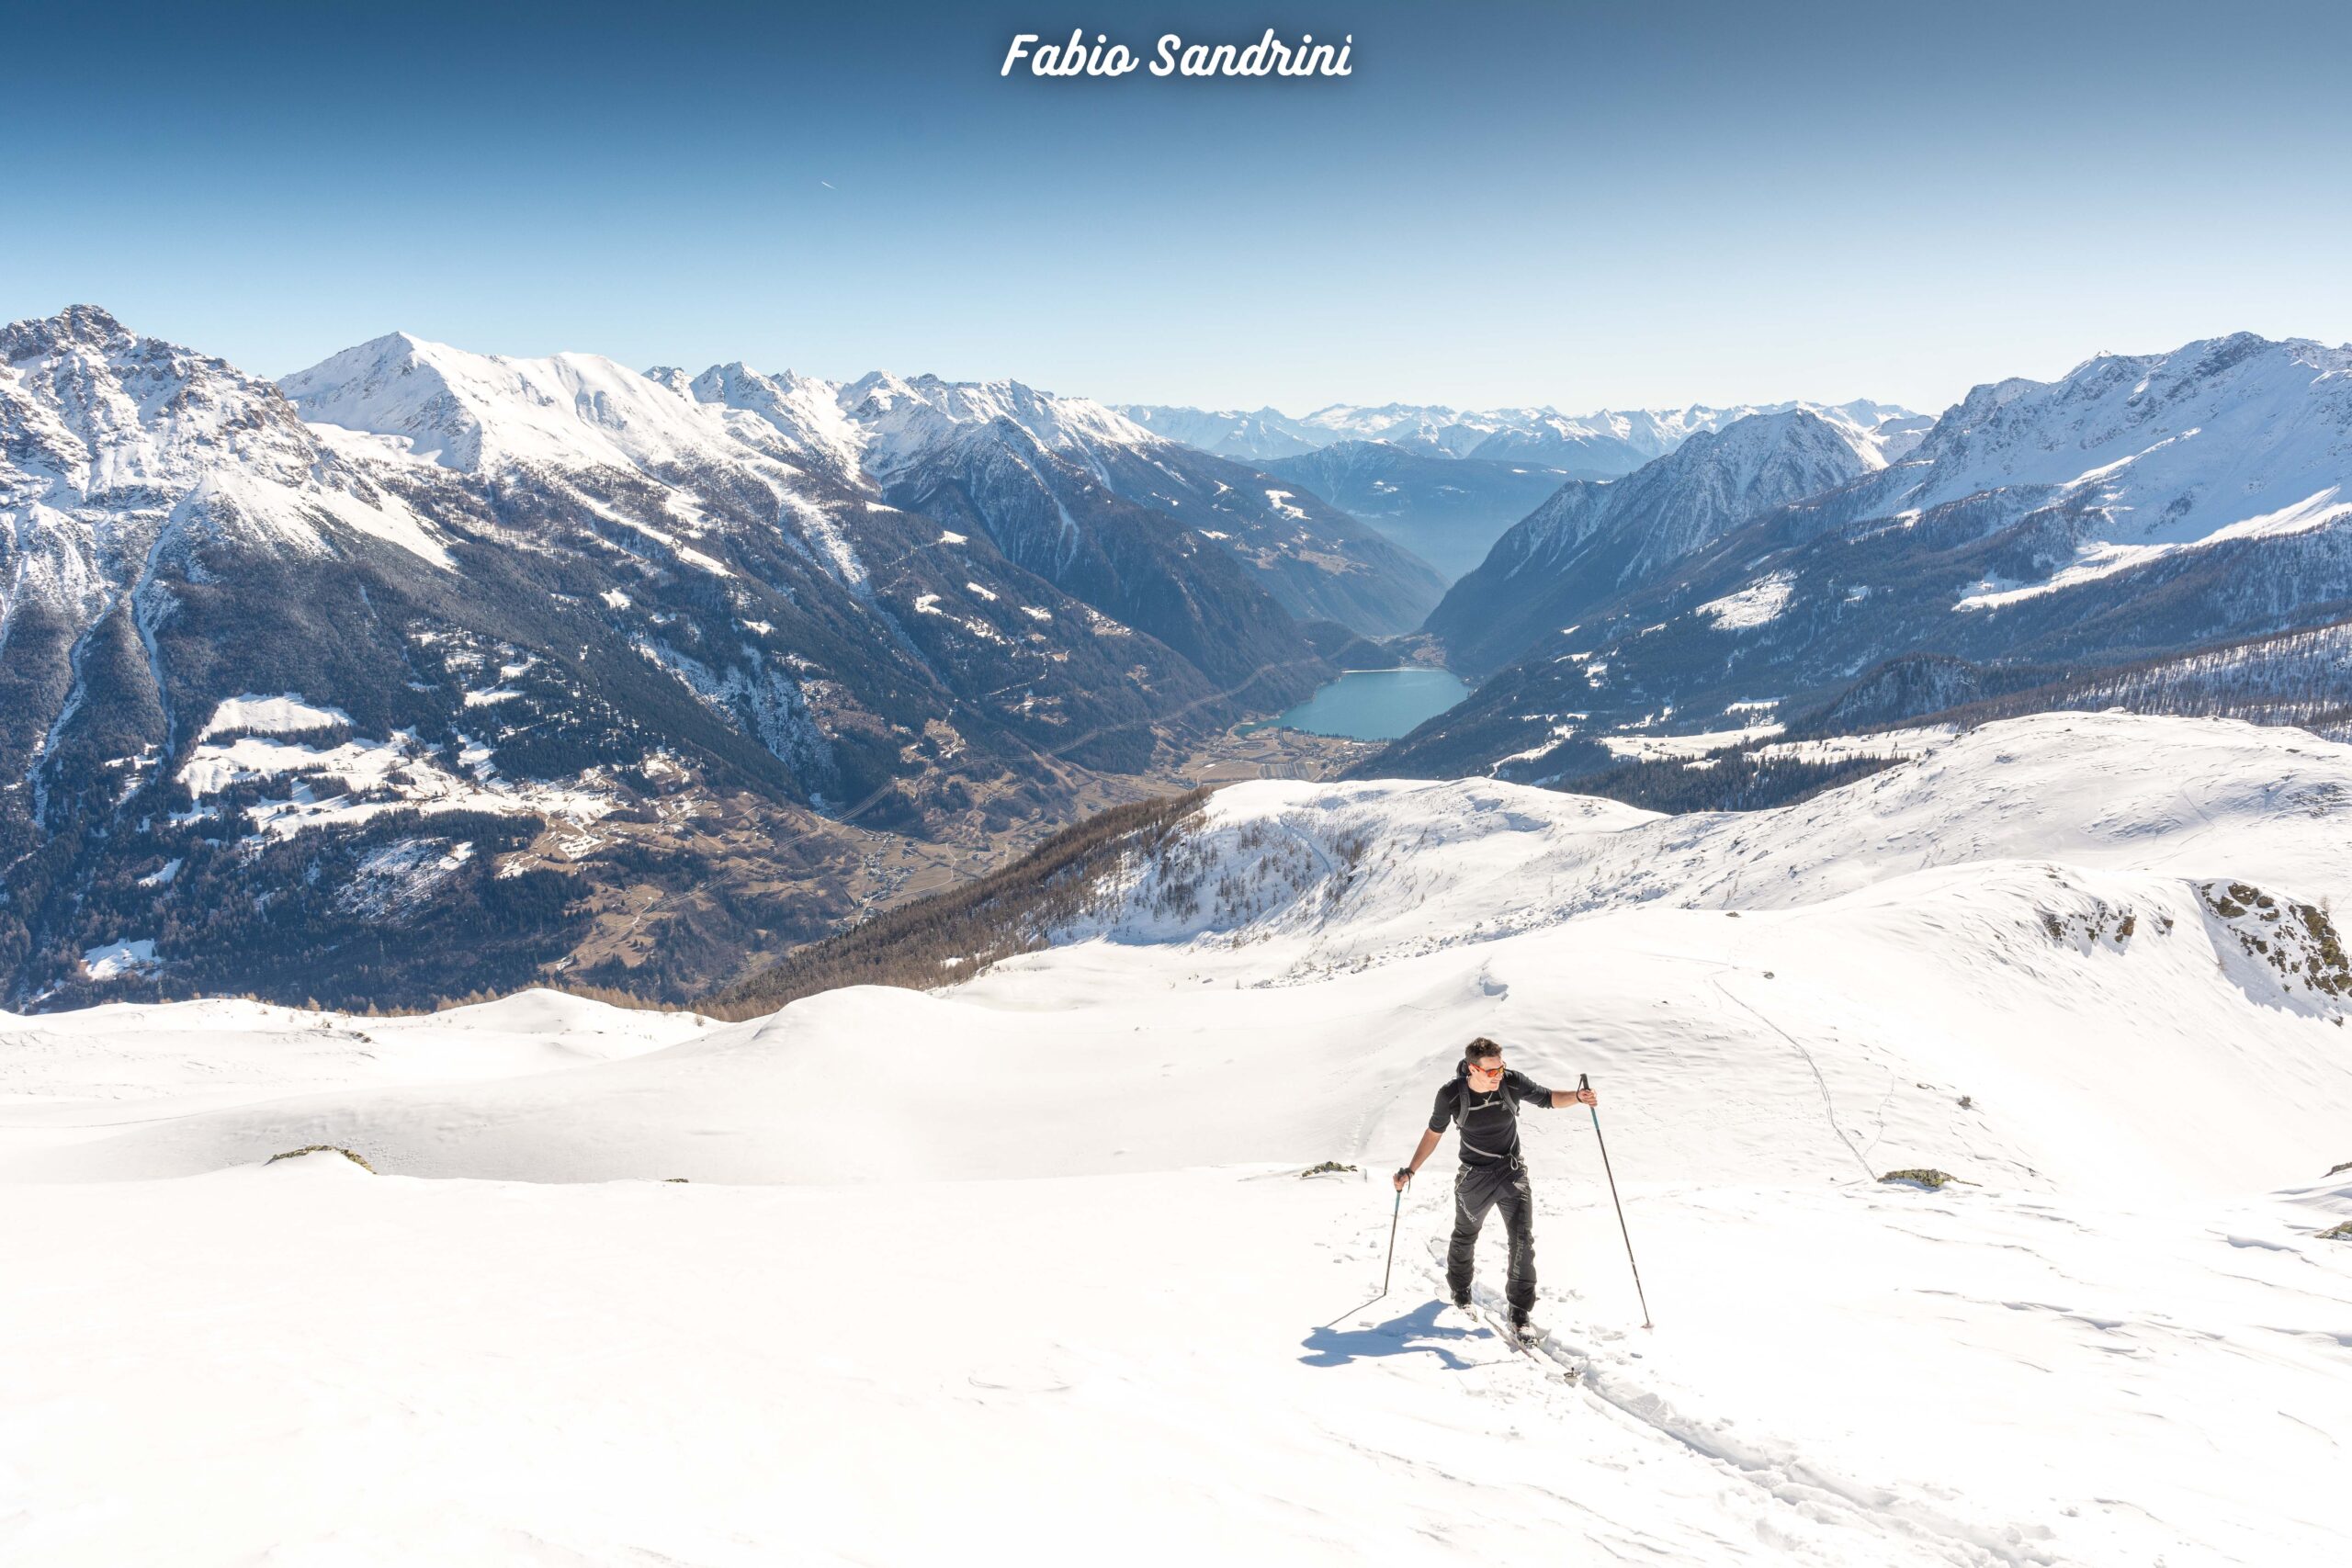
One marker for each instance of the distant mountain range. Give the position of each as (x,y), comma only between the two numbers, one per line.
(1601,445)
(1446,484)
(2140,508)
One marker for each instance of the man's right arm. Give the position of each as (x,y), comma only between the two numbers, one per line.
(1429,1147)
(1441,1113)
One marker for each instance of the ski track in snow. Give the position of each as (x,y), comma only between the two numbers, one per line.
(1028,1260)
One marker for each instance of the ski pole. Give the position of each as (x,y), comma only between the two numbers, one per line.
(1584,1081)
(1394,1213)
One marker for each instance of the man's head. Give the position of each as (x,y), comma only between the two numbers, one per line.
(1485,1060)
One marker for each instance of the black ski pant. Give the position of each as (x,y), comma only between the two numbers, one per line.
(1477,1188)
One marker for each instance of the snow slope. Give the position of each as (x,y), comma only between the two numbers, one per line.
(1034,1251)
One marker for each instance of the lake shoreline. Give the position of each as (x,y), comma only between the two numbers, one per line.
(1348,708)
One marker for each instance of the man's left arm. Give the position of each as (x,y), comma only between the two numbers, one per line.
(1558,1099)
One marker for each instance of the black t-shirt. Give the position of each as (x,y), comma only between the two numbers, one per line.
(1490,1121)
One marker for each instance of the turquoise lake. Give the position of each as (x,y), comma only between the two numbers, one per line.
(1374,705)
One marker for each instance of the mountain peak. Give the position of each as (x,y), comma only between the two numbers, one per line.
(88,326)
(810,417)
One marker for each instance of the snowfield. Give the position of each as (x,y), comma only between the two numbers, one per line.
(1025,1269)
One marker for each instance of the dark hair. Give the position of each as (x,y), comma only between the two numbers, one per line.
(1479,1050)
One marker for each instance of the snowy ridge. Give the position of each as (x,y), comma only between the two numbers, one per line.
(2139,457)
(2171,447)
(1251,436)
(1030,463)
(481,413)
(1377,869)
(1707,487)
(805,412)
(905,420)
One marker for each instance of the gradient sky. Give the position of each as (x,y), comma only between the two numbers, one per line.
(1581,204)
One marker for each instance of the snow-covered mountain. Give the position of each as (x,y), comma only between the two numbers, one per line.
(805,412)
(1028,468)
(1593,539)
(1058,482)
(1600,445)
(125,462)
(483,412)
(908,420)
(2223,439)
(2083,963)
(740,453)
(1251,436)
(472,637)
(2140,506)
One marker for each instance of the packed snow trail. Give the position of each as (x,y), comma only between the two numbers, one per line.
(1028,1260)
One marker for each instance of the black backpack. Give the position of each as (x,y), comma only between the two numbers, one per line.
(1462,1107)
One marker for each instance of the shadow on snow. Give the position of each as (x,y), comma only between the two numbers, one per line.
(1414,1334)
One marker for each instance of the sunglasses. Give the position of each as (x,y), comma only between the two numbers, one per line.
(1486,1072)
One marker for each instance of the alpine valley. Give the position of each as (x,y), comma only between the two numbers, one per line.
(425,672)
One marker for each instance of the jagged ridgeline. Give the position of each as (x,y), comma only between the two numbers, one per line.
(956,935)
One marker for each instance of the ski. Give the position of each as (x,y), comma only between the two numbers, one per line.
(1528,1342)
(1536,1346)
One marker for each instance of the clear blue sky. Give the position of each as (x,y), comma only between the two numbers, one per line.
(1629,204)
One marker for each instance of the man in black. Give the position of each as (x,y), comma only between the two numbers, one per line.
(1483,1099)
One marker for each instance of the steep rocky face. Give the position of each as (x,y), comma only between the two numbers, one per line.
(126,465)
